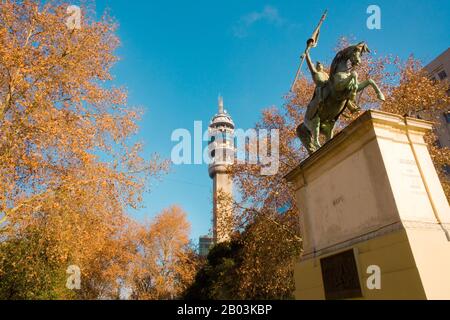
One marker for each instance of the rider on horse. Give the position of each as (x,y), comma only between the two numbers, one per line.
(334,94)
(320,78)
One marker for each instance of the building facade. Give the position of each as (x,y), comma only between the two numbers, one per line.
(439,70)
(204,245)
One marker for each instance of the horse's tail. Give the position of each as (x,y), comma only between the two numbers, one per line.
(305,136)
(301,130)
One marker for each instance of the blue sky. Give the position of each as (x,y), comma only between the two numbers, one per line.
(177,56)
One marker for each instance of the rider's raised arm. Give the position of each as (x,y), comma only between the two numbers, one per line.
(311,66)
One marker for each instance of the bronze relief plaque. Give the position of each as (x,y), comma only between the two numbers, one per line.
(340,276)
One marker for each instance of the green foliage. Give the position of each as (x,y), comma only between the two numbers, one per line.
(35,276)
(246,268)
(217,279)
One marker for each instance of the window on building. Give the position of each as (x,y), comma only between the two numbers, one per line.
(442,75)
(447,117)
(447,170)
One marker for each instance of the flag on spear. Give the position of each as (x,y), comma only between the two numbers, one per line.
(312,43)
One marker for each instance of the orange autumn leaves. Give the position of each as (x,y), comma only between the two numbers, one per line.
(68,169)
(166,264)
(57,117)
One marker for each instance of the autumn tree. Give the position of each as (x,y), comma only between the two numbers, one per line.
(217,277)
(68,169)
(245,268)
(166,263)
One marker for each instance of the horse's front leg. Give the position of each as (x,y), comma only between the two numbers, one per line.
(363,85)
(328,130)
(313,126)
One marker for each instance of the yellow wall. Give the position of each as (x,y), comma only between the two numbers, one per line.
(392,253)
(431,251)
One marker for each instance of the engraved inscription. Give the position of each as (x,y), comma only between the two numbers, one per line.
(338,201)
(411,176)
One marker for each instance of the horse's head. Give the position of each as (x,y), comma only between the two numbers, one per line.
(352,54)
(356,53)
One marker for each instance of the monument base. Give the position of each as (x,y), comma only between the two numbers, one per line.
(374,217)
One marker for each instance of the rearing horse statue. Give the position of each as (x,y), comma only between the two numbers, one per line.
(333,96)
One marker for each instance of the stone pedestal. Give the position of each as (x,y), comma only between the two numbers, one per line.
(370,201)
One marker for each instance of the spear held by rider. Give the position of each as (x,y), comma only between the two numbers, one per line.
(311,43)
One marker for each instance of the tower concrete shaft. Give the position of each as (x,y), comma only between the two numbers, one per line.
(222,149)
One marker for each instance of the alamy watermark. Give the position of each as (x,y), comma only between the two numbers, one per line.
(374,280)
(374,20)
(74,279)
(73,21)
(253,146)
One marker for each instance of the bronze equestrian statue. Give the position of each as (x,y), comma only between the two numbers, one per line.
(333,95)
